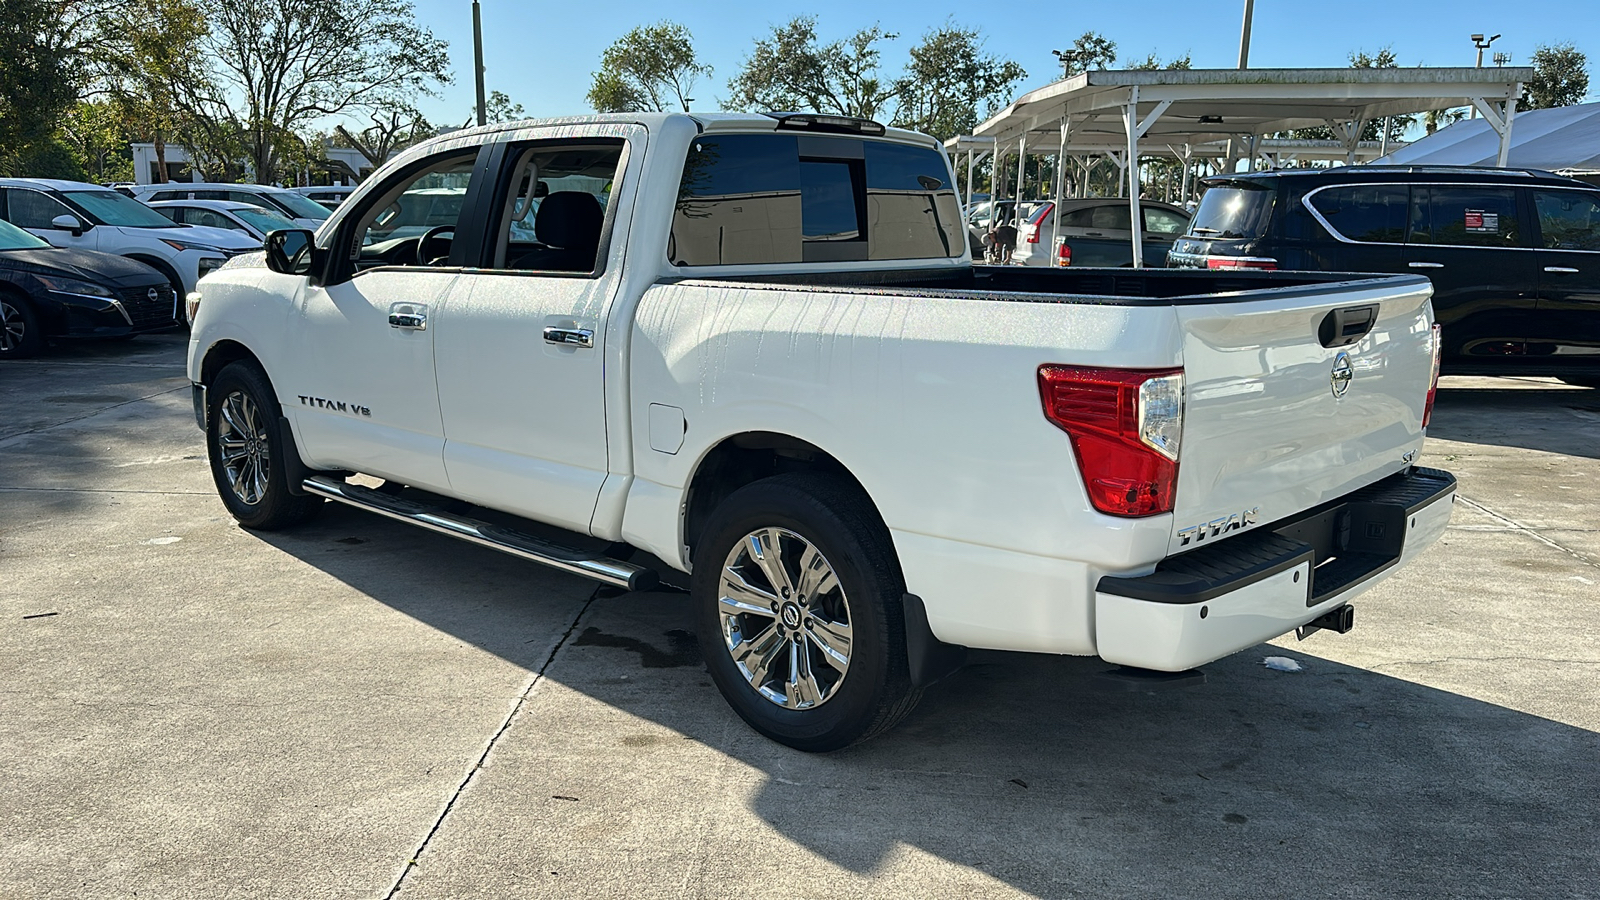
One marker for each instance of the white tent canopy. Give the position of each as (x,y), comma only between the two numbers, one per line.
(1565,139)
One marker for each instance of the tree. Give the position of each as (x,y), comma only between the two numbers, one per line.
(499,108)
(1090,51)
(1153,62)
(151,53)
(98,133)
(652,68)
(948,80)
(1560,77)
(36,81)
(282,65)
(1373,130)
(792,70)
(392,130)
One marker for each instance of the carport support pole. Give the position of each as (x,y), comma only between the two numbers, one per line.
(970,167)
(1022,177)
(1130,120)
(1505,132)
(1061,185)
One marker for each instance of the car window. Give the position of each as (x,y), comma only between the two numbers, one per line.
(158,196)
(553,213)
(1164,221)
(210,195)
(14,238)
(1568,220)
(297,206)
(784,198)
(1230,211)
(112,208)
(210,218)
(264,221)
(1078,218)
(1464,215)
(387,228)
(175,213)
(1112,217)
(1369,213)
(33,209)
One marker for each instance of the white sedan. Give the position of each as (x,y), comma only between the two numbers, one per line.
(230,214)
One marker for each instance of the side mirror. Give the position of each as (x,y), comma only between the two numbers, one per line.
(290,251)
(65,222)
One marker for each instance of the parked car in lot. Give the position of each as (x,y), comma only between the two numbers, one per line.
(1514,255)
(1098,231)
(750,354)
(90,217)
(983,215)
(327,195)
(51,292)
(245,218)
(305,212)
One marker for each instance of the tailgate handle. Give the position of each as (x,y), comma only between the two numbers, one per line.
(1341,327)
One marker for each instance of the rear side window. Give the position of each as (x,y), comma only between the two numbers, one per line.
(783,198)
(1231,211)
(1568,220)
(1464,215)
(1368,213)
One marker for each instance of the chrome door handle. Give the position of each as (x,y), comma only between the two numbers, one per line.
(571,337)
(1561,270)
(413,321)
(1425,265)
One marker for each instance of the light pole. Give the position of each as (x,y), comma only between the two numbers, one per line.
(477,59)
(1244,35)
(1482,45)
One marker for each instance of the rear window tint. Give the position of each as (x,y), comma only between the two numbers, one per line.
(782,198)
(1369,213)
(1465,215)
(1230,211)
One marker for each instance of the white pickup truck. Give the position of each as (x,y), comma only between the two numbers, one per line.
(753,349)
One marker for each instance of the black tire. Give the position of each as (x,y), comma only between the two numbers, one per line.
(1589,381)
(21,334)
(829,514)
(242,418)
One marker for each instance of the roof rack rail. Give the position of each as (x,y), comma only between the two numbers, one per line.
(821,122)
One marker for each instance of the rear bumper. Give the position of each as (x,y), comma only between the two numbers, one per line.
(1205,604)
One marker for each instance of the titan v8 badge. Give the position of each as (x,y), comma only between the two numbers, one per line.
(353,409)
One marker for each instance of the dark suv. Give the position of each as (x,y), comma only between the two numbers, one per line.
(1514,254)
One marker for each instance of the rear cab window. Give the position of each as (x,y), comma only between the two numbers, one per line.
(785,198)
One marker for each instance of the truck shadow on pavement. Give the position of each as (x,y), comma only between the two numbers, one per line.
(1330,781)
(1561,419)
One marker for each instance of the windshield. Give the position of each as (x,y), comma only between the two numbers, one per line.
(263,220)
(302,206)
(112,208)
(1232,211)
(14,238)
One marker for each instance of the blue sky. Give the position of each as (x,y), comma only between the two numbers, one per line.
(543,54)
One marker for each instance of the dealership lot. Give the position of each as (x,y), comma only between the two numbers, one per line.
(361,709)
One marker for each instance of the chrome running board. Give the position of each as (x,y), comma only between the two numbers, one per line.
(609,571)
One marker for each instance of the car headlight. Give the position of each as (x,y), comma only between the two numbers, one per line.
(209,264)
(74,286)
(188,245)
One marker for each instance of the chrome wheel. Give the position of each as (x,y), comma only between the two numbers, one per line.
(12,328)
(785,619)
(242,445)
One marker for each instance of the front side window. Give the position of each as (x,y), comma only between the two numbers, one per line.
(1464,216)
(553,215)
(412,220)
(784,198)
(35,209)
(1368,213)
(1568,220)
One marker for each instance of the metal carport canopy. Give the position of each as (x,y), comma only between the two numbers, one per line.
(1125,110)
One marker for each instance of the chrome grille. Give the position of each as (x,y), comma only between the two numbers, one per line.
(147,313)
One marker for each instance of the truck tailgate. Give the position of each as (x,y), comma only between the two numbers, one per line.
(1272,425)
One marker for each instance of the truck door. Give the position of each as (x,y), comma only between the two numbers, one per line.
(520,351)
(1469,240)
(1567,321)
(363,393)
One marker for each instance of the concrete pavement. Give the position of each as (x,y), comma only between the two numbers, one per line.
(360,709)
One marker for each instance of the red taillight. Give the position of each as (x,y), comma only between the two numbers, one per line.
(1125,426)
(1064,254)
(1240,262)
(1033,234)
(1433,384)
